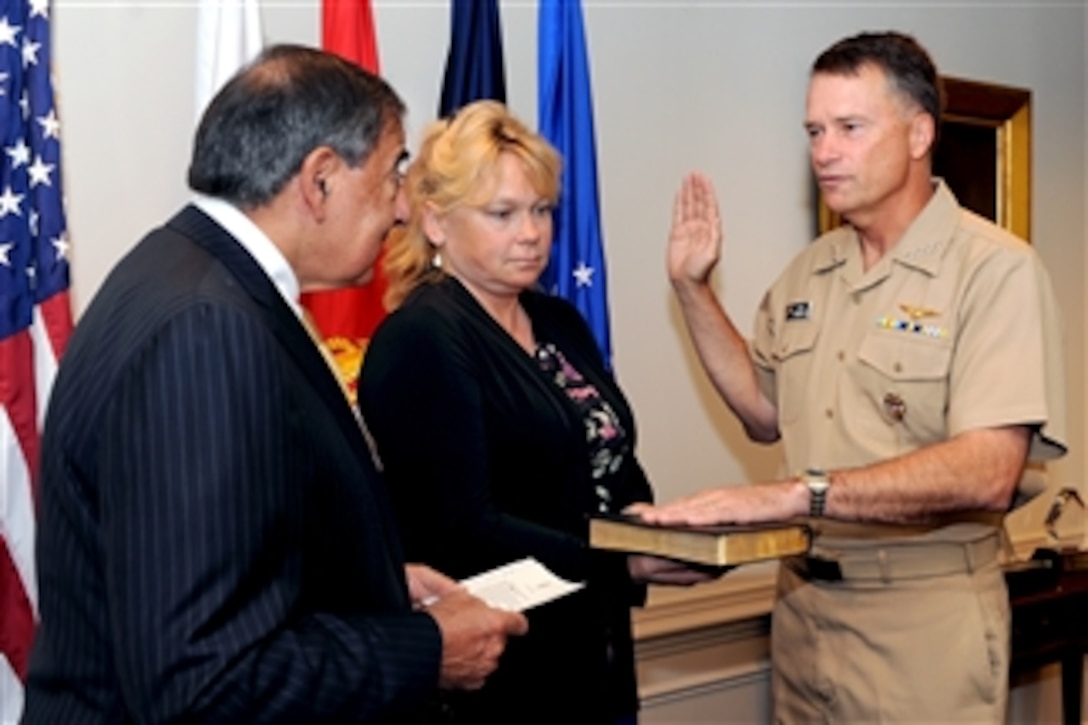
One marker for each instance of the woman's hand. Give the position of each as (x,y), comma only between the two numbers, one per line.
(657,570)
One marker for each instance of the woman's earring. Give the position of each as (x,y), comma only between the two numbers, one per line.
(436,260)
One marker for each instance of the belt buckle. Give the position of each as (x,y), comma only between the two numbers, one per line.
(823,569)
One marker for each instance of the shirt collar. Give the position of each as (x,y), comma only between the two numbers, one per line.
(926,239)
(922,246)
(256,242)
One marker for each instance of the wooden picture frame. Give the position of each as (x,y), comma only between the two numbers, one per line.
(984,153)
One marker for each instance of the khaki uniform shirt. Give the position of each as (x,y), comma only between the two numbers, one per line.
(955,328)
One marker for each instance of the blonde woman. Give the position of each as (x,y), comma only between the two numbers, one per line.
(500,429)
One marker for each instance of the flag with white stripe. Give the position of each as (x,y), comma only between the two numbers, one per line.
(35,316)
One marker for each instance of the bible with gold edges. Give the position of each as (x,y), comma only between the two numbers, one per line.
(727,545)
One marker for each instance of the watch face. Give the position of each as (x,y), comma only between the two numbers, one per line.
(816,480)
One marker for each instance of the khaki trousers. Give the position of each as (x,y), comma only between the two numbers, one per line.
(916,650)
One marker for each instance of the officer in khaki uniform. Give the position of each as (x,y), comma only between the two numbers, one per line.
(911,364)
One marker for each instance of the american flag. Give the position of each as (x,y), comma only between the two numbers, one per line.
(35,317)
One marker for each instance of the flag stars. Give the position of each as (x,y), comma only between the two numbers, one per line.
(39,7)
(62,245)
(50,125)
(8,32)
(33,222)
(583,275)
(39,172)
(24,105)
(9,203)
(5,252)
(30,52)
(19,153)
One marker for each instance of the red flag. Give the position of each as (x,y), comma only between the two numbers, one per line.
(347,317)
(347,29)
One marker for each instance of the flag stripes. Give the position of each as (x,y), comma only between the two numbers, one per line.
(35,318)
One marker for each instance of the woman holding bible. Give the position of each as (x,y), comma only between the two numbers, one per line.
(500,429)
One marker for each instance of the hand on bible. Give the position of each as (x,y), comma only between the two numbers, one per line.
(741,504)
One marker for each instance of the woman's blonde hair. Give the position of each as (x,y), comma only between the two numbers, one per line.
(455,168)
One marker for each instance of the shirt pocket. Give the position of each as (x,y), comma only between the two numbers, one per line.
(906,378)
(793,356)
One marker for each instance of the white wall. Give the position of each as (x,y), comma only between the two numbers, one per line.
(714,86)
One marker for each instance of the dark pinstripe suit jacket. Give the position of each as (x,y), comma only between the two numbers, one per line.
(214,543)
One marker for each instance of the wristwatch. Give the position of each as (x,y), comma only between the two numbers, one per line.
(817,482)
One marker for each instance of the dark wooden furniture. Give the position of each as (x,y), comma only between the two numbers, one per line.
(1049,598)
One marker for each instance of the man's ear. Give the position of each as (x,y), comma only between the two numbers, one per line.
(923,134)
(317,178)
(433,224)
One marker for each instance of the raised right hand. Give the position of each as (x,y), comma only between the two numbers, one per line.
(473,637)
(696,235)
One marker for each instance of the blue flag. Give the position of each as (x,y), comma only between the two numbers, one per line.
(576,271)
(474,67)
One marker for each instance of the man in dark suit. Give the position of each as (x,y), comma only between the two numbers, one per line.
(214,543)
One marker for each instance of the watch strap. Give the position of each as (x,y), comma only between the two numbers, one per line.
(818,482)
